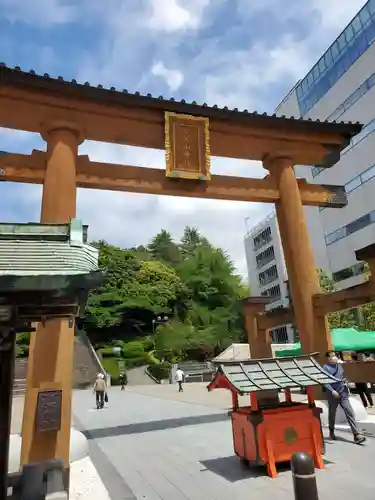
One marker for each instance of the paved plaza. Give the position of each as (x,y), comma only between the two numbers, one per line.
(153,443)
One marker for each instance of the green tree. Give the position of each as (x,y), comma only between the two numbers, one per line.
(191,239)
(192,282)
(163,248)
(131,284)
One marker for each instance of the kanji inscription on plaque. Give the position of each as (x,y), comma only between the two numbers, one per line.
(48,411)
(187,145)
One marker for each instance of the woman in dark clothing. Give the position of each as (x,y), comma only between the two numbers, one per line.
(362,388)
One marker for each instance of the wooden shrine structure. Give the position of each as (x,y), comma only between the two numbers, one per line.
(67,113)
(267,430)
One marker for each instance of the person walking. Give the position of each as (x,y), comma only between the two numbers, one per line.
(362,388)
(100,390)
(180,379)
(123,381)
(338,394)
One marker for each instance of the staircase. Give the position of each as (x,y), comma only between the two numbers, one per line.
(86,367)
(20,374)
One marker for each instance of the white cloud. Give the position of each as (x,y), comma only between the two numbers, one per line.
(172,77)
(239,75)
(175,15)
(133,219)
(45,12)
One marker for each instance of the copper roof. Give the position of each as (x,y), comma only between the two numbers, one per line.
(273,374)
(18,78)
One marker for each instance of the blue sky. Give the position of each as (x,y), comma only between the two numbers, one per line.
(239,53)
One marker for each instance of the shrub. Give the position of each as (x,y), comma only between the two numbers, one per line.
(117,343)
(110,365)
(133,349)
(107,352)
(148,343)
(160,371)
(138,361)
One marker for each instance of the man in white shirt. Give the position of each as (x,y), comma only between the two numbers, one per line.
(179,379)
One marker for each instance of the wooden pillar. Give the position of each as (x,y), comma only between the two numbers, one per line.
(258,339)
(51,351)
(259,345)
(59,189)
(303,278)
(7,355)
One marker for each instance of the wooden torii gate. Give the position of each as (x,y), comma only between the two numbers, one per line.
(66,113)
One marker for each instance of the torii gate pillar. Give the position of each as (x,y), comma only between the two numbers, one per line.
(304,284)
(52,345)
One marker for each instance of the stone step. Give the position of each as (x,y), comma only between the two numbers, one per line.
(85,369)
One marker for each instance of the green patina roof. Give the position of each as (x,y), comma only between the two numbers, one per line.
(273,374)
(46,250)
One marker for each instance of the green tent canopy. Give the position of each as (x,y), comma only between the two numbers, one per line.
(343,339)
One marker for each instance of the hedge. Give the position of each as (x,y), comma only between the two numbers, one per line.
(160,371)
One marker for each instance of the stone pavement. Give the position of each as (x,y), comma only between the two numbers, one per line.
(153,443)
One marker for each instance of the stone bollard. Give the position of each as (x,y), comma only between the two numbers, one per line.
(54,481)
(304,479)
(32,486)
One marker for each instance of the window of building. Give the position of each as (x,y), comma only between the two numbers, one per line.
(350,228)
(262,238)
(273,293)
(368,129)
(353,98)
(268,275)
(316,171)
(365,16)
(336,235)
(265,257)
(349,46)
(344,274)
(367,174)
(353,184)
(357,181)
(365,132)
(358,224)
(279,335)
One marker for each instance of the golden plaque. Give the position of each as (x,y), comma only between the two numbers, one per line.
(187,146)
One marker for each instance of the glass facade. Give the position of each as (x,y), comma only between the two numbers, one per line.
(353,98)
(366,131)
(349,46)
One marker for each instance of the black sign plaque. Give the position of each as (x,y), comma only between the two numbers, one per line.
(48,411)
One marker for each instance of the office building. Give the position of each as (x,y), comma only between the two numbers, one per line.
(267,271)
(341,87)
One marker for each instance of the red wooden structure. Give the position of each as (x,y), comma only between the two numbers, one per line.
(269,430)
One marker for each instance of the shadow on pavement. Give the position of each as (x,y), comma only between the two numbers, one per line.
(155,425)
(232,468)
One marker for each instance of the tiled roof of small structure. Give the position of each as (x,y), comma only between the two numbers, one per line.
(273,374)
(45,250)
(17,77)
